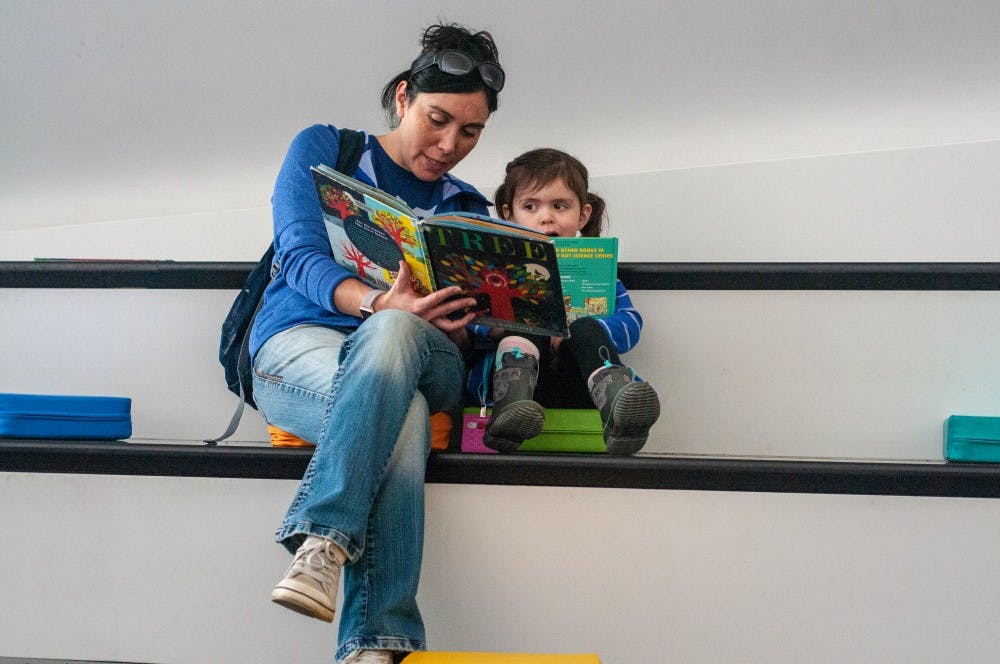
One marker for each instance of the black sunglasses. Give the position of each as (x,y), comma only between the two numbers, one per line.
(458,63)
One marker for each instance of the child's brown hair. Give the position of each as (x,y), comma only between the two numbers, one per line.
(536,168)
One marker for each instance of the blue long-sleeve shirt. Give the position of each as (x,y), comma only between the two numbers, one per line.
(625,325)
(302,291)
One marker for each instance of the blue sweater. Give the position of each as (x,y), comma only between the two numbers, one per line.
(625,324)
(302,291)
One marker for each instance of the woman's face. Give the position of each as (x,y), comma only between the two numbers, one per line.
(436,130)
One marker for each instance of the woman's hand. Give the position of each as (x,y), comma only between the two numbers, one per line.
(434,308)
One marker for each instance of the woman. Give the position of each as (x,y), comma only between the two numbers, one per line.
(363,392)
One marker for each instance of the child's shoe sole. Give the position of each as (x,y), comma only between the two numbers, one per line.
(516,423)
(635,410)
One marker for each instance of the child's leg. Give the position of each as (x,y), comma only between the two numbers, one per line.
(590,346)
(516,416)
(628,406)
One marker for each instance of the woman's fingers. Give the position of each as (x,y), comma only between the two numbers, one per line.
(444,304)
(449,325)
(401,287)
(452,307)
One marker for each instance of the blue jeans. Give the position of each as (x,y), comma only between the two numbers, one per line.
(364,398)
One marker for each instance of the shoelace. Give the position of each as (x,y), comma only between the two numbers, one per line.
(605,355)
(318,562)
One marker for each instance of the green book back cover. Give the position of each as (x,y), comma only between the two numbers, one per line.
(588,268)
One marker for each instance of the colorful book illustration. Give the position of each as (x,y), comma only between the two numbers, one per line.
(588,269)
(511,271)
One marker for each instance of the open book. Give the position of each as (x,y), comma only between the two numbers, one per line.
(511,271)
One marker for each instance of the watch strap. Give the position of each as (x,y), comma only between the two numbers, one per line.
(368,302)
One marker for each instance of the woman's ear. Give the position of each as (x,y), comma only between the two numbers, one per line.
(401,99)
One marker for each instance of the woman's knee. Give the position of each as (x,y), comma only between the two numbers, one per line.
(402,337)
(395,324)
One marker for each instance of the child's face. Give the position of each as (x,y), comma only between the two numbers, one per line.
(552,209)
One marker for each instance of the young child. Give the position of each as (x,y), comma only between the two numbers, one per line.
(547,190)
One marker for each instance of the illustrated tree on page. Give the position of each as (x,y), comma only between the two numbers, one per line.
(501,284)
(338,201)
(352,254)
(396,229)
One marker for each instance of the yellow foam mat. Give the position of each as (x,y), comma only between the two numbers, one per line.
(431,657)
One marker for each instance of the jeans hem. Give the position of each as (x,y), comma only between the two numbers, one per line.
(397,644)
(292,536)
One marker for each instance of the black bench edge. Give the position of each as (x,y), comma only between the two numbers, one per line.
(559,470)
(638,276)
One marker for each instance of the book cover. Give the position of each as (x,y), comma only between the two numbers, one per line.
(588,268)
(511,271)
(514,276)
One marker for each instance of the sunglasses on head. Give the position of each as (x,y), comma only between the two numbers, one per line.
(458,63)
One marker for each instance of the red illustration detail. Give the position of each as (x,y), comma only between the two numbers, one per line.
(396,229)
(496,286)
(352,254)
(501,284)
(337,200)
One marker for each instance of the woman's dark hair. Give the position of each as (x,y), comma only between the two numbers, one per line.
(479,46)
(537,168)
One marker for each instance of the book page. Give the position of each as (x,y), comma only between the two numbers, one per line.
(370,234)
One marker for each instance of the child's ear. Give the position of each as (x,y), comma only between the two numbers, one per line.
(505,212)
(585,215)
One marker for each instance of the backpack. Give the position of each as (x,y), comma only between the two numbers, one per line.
(234,343)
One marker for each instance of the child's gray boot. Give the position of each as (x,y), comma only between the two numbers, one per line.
(629,408)
(515,417)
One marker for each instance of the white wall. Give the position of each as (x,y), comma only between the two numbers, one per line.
(154,130)
(865,375)
(178,571)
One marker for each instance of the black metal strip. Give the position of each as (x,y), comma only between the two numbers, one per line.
(637,276)
(577,470)
(810,276)
(122,274)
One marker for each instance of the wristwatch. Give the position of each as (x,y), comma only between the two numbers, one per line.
(367,307)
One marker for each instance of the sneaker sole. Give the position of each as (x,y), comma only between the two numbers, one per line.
(518,422)
(301,603)
(635,410)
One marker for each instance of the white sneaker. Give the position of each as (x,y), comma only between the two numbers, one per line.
(369,657)
(310,584)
